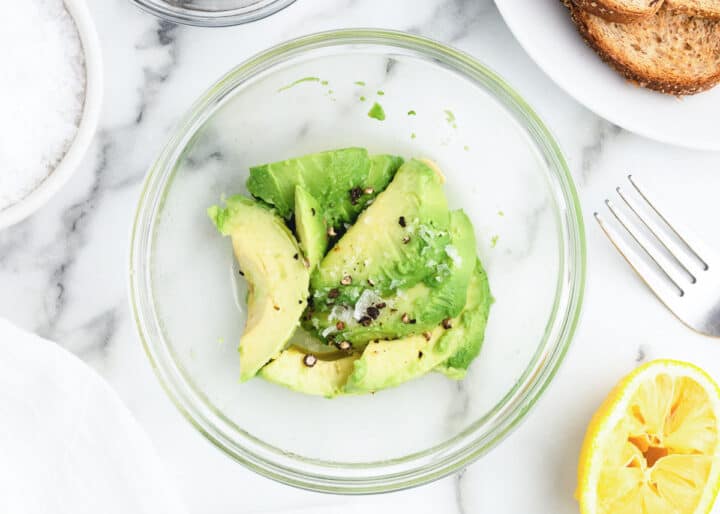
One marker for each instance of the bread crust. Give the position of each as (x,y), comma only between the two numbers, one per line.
(693,11)
(666,85)
(600,8)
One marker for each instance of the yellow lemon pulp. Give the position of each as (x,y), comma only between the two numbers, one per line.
(652,448)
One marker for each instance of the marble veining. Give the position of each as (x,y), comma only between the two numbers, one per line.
(74,220)
(98,331)
(641,354)
(456,17)
(459,498)
(458,408)
(603,132)
(165,37)
(63,271)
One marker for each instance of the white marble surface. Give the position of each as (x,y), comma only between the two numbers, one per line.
(63,271)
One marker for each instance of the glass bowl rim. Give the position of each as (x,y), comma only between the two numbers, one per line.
(223,18)
(410,470)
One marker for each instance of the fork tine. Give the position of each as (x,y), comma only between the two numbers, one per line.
(669,245)
(667,291)
(667,267)
(691,245)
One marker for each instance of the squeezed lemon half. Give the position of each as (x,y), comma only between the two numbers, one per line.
(653,446)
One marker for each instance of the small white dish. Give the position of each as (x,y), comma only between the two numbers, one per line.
(545,30)
(86,129)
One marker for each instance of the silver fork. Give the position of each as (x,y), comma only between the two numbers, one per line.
(685,275)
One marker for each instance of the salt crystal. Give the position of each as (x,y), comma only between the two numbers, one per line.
(453,253)
(42,93)
(340,313)
(367,298)
(327,331)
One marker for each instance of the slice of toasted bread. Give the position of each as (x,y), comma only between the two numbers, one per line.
(670,52)
(621,11)
(702,8)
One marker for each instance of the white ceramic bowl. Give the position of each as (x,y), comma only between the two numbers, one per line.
(88,122)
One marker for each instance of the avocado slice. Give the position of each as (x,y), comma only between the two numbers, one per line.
(387,363)
(456,366)
(310,227)
(382,170)
(393,244)
(342,181)
(413,310)
(325,378)
(309,343)
(327,176)
(268,255)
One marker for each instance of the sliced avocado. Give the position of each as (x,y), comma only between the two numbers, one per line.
(413,310)
(310,226)
(456,366)
(387,363)
(328,176)
(325,378)
(309,343)
(382,171)
(393,243)
(432,164)
(268,255)
(342,181)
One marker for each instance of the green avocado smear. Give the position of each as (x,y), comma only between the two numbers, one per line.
(360,275)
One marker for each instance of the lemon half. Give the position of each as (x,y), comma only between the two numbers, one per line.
(653,446)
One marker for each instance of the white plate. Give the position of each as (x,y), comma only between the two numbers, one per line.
(544,29)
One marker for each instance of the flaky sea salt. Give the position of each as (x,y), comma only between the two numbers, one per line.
(42,93)
(453,253)
(329,330)
(367,298)
(340,313)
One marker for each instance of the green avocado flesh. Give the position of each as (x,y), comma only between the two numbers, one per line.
(395,243)
(377,112)
(310,343)
(388,363)
(326,378)
(474,323)
(267,253)
(382,170)
(411,310)
(338,180)
(359,276)
(310,226)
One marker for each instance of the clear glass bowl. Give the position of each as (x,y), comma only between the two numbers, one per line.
(212,13)
(502,167)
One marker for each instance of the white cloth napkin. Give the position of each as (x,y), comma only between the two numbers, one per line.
(67,442)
